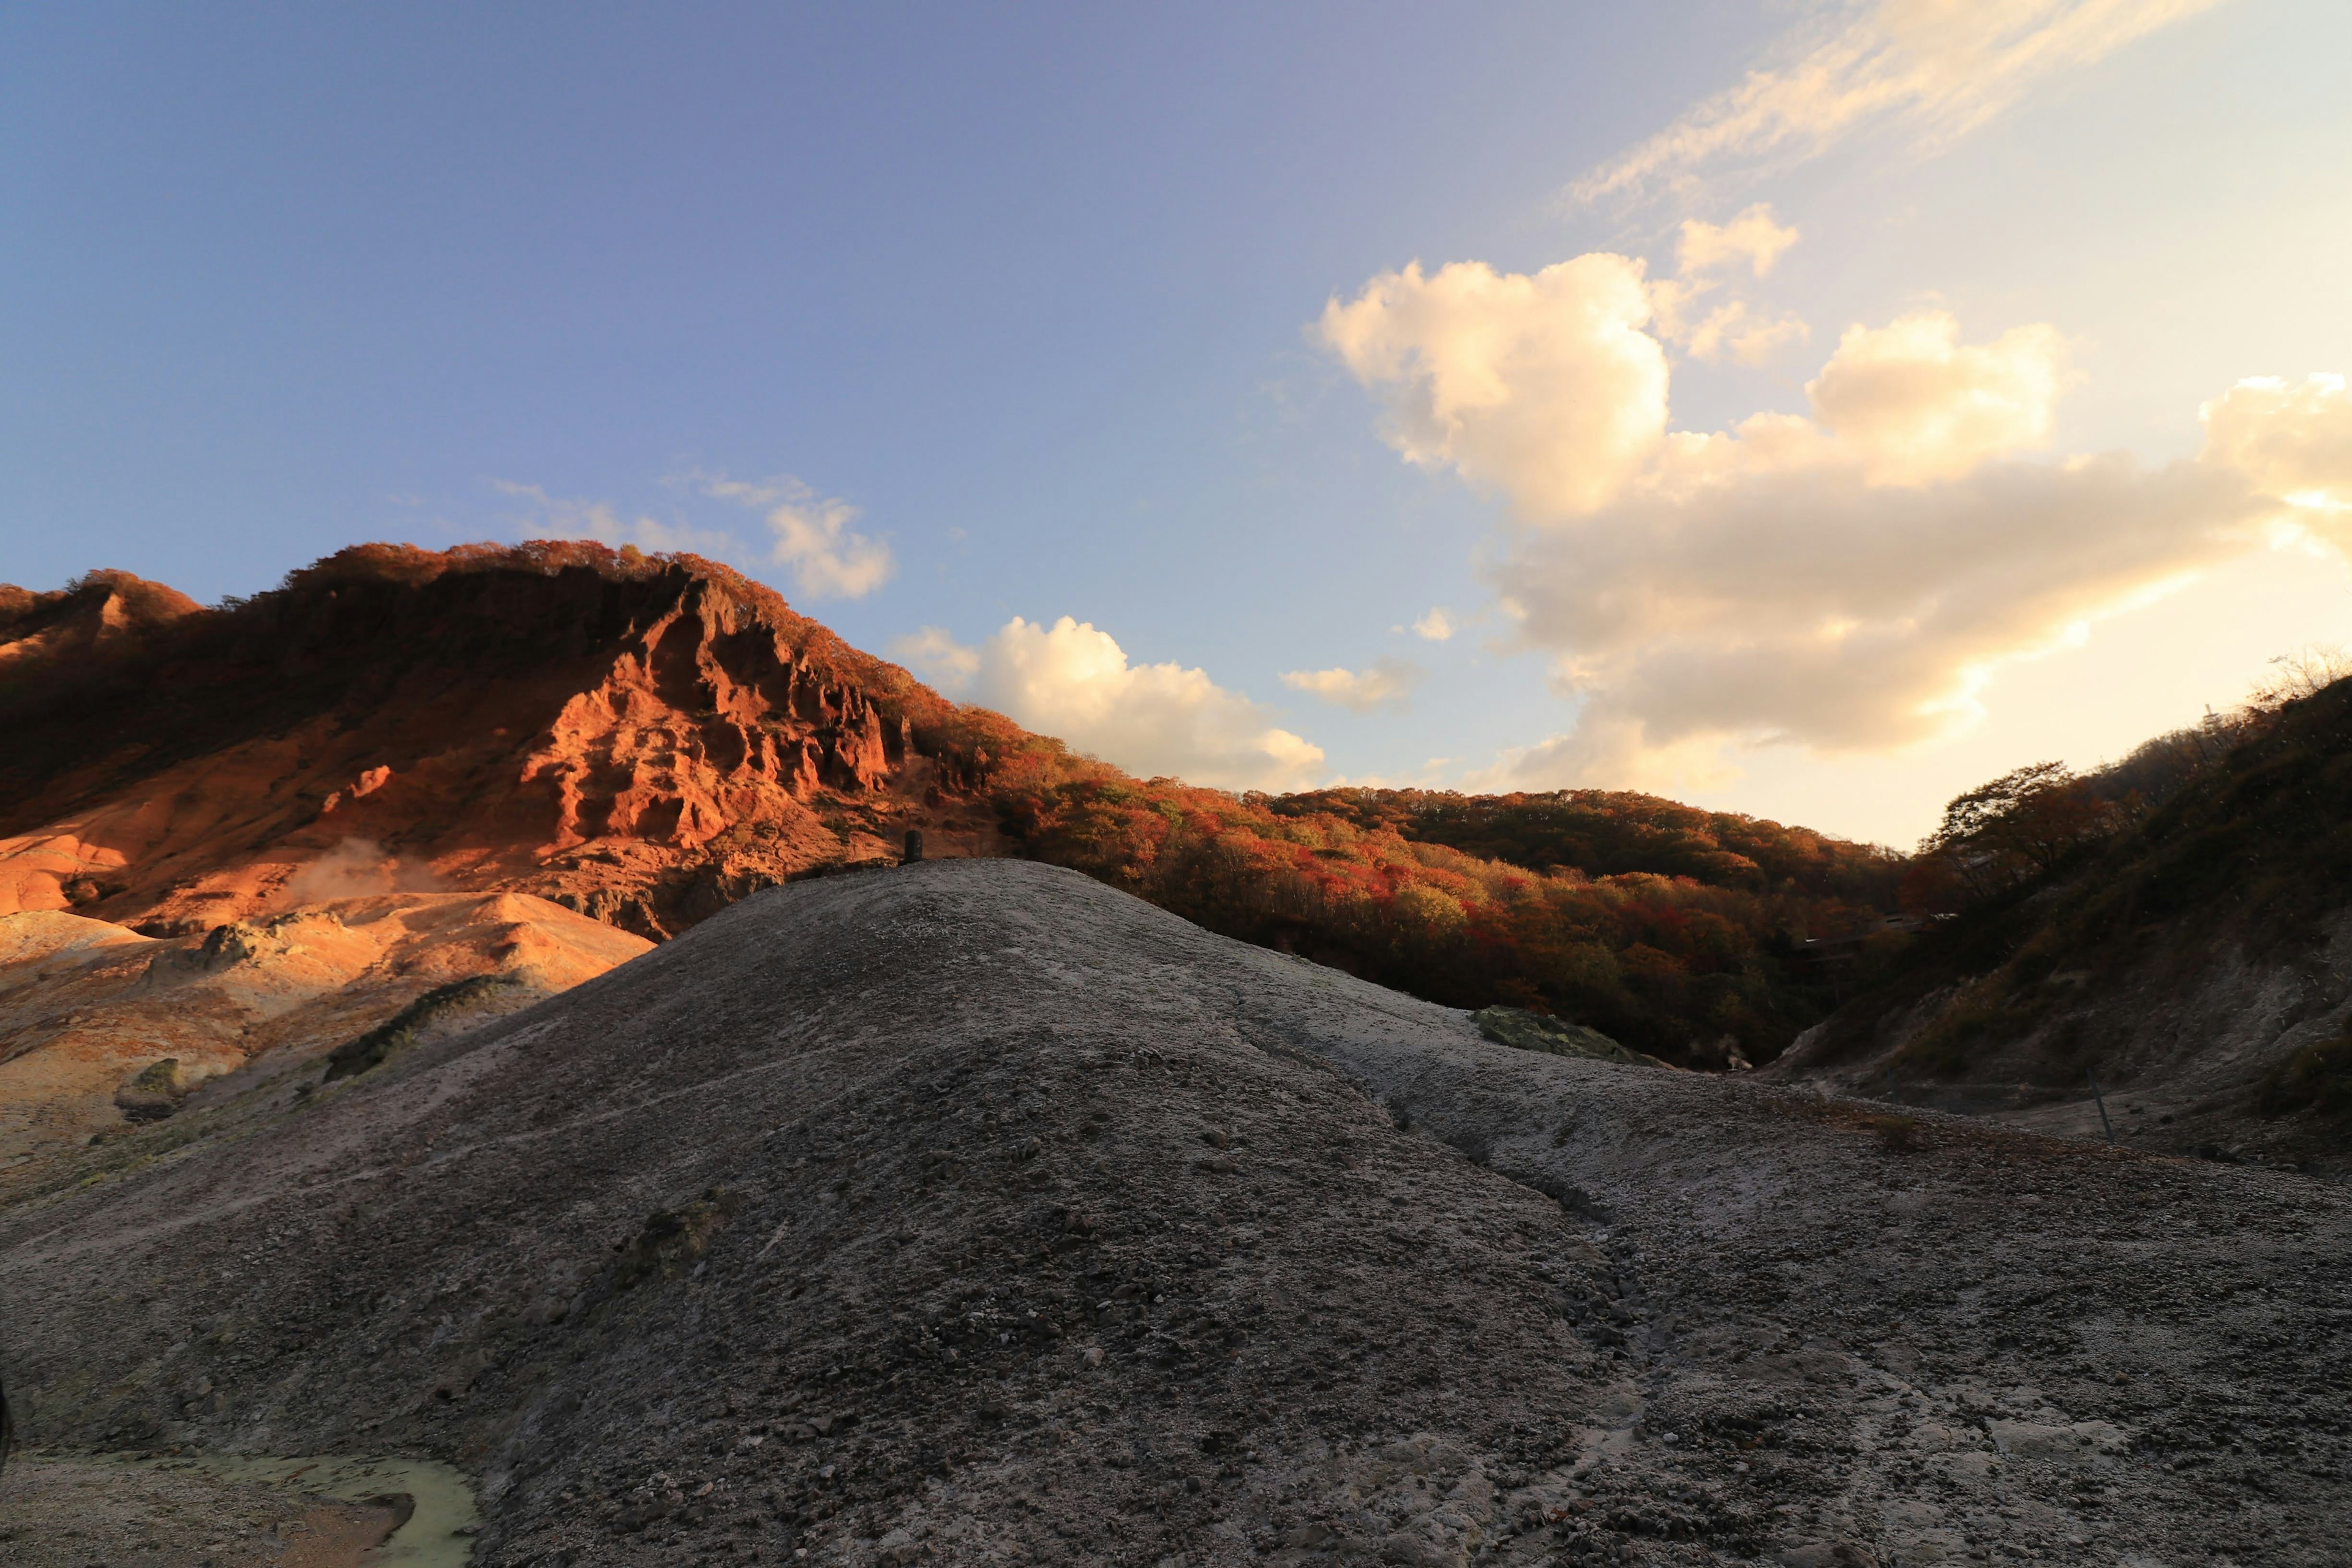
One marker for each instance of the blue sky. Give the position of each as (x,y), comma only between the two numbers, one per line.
(1036,298)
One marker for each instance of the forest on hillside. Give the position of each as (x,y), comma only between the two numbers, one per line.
(2232,835)
(1678,931)
(1710,939)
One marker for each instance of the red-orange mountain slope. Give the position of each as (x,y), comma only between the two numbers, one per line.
(641,739)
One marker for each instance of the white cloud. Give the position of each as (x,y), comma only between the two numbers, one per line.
(1731,331)
(1074,682)
(1810,604)
(1913,404)
(1435,626)
(1753,237)
(1605,752)
(1941,66)
(1387,684)
(1845,579)
(1705,255)
(938,657)
(2293,440)
(558,517)
(829,559)
(1545,387)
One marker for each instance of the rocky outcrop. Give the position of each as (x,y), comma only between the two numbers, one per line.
(642,739)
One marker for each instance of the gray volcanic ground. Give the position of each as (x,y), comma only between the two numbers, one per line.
(976,1213)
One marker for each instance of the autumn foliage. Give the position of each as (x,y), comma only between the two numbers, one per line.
(1692,956)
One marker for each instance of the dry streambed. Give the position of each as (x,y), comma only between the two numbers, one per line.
(974,1213)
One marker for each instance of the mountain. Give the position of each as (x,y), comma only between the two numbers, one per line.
(642,739)
(976,1212)
(645,739)
(2178,929)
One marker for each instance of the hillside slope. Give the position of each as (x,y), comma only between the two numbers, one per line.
(976,1213)
(2198,964)
(640,739)
(645,739)
(103,1029)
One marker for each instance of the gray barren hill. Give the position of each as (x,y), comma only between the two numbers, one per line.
(975,1212)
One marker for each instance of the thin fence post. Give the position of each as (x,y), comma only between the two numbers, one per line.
(2103,1105)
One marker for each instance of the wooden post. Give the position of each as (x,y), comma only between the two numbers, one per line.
(914,846)
(2103,1105)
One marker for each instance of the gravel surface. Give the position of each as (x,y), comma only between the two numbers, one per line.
(113,1514)
(976,1213)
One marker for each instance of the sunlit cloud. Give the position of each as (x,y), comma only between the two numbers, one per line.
(1709,257)
(1937,67)
(1605,752)
(1755,239)
(1437,625)
(1735,333)
(1076,683)
(1846,579)
(2294,439)
(1544,386)
(1386,684)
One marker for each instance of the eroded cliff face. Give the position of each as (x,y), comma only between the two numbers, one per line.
(641,741)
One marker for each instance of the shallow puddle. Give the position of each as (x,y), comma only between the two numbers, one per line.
(439,1534)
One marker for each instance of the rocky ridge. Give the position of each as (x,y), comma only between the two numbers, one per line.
(640,739)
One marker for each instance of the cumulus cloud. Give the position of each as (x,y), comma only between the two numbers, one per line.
(829,559)
(1544,386)
(1940,67)
(1075,682)
(935,655)
(1435,626)
(1913,404)
(1845,578)
(2292,439)
(1387,684)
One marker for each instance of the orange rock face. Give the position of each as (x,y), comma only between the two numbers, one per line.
(640,740)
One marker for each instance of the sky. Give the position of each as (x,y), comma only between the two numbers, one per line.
(1809,409)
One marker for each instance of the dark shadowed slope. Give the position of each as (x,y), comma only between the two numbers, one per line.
(977,1213)
(2198,962)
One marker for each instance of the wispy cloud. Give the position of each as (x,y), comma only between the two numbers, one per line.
(1940,68)
(933,653)
(564,517)
(829,559)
